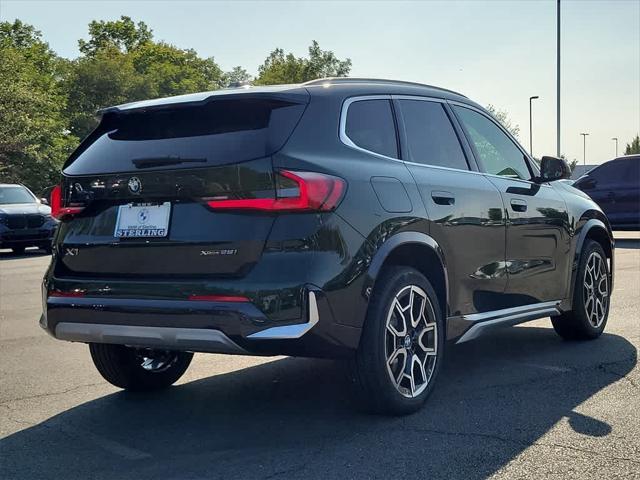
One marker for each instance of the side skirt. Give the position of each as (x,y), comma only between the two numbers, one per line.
(479,323)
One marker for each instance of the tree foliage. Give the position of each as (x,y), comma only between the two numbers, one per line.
(237,76)
(47,104)
(633,147)
(123,35)
(279,68)
(34,140)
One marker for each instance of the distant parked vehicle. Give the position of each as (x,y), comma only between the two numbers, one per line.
(615,186)
(25,220)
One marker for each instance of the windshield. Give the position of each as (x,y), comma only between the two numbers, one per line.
(9,195)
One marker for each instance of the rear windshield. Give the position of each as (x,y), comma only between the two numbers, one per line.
(218,133)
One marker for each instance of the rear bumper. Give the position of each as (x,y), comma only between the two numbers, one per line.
(198,326)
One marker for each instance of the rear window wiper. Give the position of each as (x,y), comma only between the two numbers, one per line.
(149,162)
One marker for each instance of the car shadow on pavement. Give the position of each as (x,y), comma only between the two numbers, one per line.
(294,418)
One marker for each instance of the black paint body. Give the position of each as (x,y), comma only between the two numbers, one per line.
(459,227)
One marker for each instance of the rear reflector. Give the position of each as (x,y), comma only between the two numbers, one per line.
(308,191)
(58,210)
(73,293)
(218,298)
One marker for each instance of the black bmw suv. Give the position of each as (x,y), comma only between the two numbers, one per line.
(366,219)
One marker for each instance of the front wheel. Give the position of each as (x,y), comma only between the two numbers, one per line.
(590,309)
(402,343)
(139,369)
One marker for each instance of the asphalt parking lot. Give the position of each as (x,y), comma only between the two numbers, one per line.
(519,404)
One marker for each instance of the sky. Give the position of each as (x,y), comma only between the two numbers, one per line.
(494,52)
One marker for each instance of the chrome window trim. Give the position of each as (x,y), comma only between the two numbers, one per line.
(344,138)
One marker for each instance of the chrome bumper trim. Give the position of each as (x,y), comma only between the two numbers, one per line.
(186,339)
(291,331)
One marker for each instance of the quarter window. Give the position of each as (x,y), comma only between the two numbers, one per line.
(497,152)
(431,139)
(370,126)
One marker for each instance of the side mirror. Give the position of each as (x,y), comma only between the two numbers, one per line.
(552,168)
(44,201)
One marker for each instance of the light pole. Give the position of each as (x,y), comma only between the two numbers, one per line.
(558,78)
(584,148)
(531,126)
(616,140)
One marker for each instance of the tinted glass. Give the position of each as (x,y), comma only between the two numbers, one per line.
(498,154)
(217,133)
(9,195)
(633,172)
(617,172)
(431,138)
(370,126)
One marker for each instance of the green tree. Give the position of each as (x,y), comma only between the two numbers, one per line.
(123,35)
(237,76)
(34,140)
(279,68)
(633,147)
(503,117)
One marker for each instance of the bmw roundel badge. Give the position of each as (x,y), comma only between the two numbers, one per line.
(135,185)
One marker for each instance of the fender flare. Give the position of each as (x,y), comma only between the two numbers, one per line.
(582,236)
(401,239)
(591,223)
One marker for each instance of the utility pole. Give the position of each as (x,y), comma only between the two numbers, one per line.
(616,140)
(558,79)
(531,126)
(584,148)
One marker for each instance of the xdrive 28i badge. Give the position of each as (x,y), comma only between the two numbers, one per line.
(135,185)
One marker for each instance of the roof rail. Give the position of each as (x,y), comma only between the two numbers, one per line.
(321,81)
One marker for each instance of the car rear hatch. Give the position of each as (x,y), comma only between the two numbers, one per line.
(136,197)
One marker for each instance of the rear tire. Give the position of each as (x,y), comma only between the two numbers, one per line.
(402,344)
(139,369)
(590,297)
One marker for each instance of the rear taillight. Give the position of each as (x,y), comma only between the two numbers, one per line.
(218,298)
(295,191)
(58,209)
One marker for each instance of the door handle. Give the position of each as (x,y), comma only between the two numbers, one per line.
(443,198)
(518,205)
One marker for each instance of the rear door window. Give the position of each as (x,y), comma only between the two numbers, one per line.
(431,139)
(370,126)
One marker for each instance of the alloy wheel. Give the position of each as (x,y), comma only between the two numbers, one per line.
(596,289)
(156,361)
(411,341)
